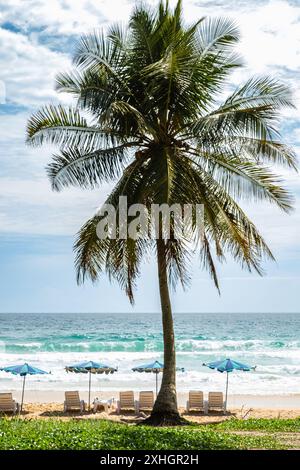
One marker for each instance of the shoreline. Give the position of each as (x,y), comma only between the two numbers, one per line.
(274,402)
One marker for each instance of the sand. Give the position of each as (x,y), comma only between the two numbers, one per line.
(45,405)
(55,410)
(276,402)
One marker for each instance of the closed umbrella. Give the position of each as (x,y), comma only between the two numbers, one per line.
(90,367)
(155,367)
(228,365)
(23,370)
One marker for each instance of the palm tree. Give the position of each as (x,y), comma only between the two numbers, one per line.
(150,116)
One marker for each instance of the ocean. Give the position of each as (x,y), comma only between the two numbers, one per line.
(51,341)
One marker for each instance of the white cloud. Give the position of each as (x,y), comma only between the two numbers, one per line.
(67,17)
(271,36)
(270,44)
(295,136)
(280,230)
(30,207)
(27,203)
(270,40)
(28,70)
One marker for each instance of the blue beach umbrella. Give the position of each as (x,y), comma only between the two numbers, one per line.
(23,370)
(155,367)
(228,365)
(91,367)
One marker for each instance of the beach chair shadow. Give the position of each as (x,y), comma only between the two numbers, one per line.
(9,414)
(65,414)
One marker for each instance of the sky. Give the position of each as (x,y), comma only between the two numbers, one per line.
(37,226)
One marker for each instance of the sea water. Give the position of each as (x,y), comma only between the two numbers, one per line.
(271,342)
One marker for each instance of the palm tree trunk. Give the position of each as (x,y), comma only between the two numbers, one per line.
(165,411)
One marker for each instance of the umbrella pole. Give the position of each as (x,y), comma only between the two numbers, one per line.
(156,377)
(226,392)
(90,379)
(22,400)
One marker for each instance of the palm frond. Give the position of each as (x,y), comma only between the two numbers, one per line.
(259,92)
(251,148)
(87,168)
(96,53)
(251,111)
(66,128)
(119,258)
(216,36)
(244,179)
(208,262)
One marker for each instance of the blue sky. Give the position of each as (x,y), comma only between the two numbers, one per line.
(37,227)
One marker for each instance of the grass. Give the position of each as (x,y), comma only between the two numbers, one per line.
(262,424)
(77,434)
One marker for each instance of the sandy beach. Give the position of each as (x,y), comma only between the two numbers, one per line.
(55,410)
(276,402)
(50,404)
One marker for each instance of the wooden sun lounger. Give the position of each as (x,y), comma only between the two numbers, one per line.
(195,401)
(73,402)
(7,404)
(145,401)
(126,402)
(215,401)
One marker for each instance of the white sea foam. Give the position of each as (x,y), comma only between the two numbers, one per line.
(234,345)
(284,377)
(271,342)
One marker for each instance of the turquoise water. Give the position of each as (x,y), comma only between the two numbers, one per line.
(50,341)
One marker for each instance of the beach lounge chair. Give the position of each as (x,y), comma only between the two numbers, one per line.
(126,402)
(73,402)
(215,401)
(145,401)
(7,404)
(195,401)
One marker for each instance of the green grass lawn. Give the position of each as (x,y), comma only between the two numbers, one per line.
(98,434)
(261,424)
